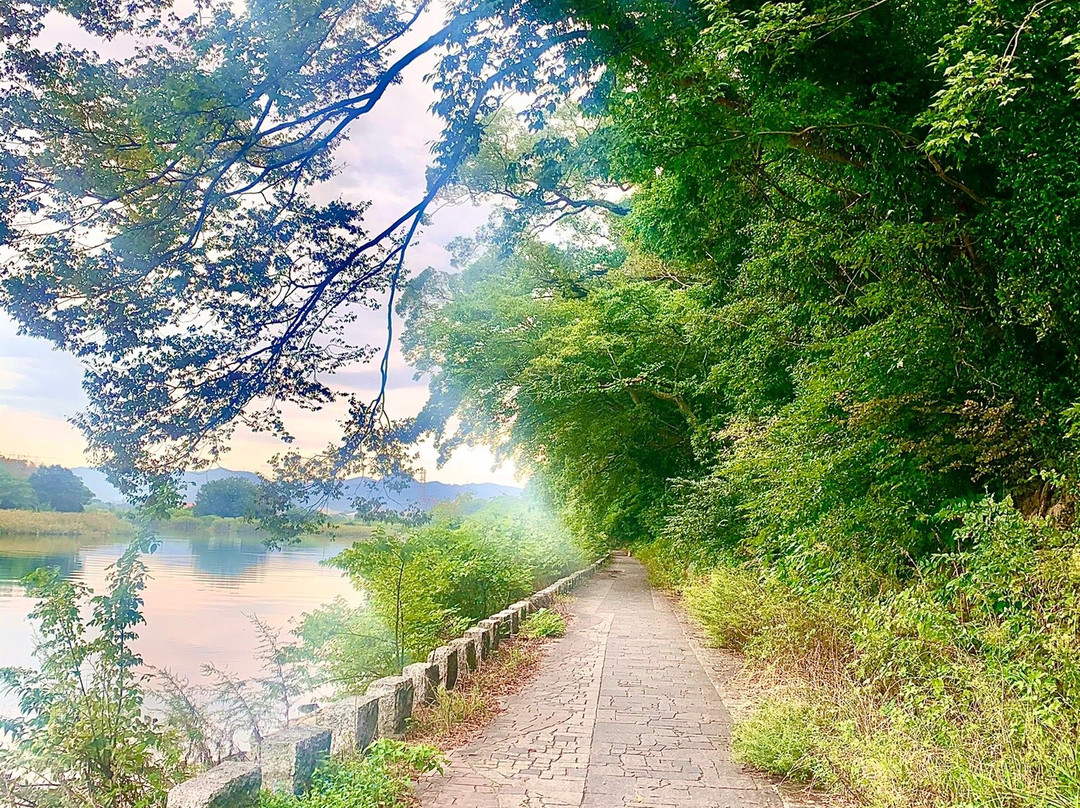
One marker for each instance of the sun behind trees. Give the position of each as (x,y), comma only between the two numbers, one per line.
(783,294)
(824,375)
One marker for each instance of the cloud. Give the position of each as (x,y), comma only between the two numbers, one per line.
(36,377)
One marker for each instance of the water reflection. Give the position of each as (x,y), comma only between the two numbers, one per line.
(229,559)
(14,568)
(201,589)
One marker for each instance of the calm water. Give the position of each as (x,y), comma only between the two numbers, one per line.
(196,602)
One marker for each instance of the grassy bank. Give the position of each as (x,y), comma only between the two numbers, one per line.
(95,524)
(100,524)
(957,687)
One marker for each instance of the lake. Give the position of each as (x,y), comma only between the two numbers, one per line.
(201,589)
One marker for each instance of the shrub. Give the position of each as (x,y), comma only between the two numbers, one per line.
(780,738)
(83,727)
(429,583)
(544,623)
(769,621)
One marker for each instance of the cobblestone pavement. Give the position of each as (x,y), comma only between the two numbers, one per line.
(623,713)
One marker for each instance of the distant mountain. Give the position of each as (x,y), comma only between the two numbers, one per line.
(411,495)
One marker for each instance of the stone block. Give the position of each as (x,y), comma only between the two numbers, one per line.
(289,758)
(352,721)
(468,657)
(482,638)
(515,617)
(446,657)
(227,785)
(425,679)
(491,625)
(506,622)
(395,705)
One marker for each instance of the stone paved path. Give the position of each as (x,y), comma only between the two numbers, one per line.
(622,714)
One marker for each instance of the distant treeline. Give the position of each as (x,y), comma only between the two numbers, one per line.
(25,486)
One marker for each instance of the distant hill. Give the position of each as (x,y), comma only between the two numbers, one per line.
(409,497)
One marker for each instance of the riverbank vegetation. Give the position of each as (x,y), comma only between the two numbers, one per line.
(98,726)
(90,524)
(382,777)
(427,584)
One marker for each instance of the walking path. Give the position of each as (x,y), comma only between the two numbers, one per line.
(623,713)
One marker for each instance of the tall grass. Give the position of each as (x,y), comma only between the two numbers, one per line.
(914,698)
(49,523)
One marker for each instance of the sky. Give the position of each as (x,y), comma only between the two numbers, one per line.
(383,161)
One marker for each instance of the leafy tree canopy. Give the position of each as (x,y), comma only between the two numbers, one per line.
(229,497)
(157,215)
(16,492)
(58,488)
(840,299)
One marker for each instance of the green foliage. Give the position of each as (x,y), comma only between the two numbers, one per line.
(83,726)
(404,574)
(768,620)
(425,585)
(825,369)
(59,489)
(574,376)
(16,493)
(380,778)
(228,497)
(544,623)
(958,687)
(223,289)
(348,646)
(779,738)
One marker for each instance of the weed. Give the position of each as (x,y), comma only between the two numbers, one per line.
(457,714)
(543,624)
(380,778)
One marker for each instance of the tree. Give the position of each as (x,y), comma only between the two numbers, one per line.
(83,728)
(396,570)
(58,488)
(229,497)
(16,492)
(176,247)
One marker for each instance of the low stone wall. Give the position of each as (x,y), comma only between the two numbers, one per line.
(288,758)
